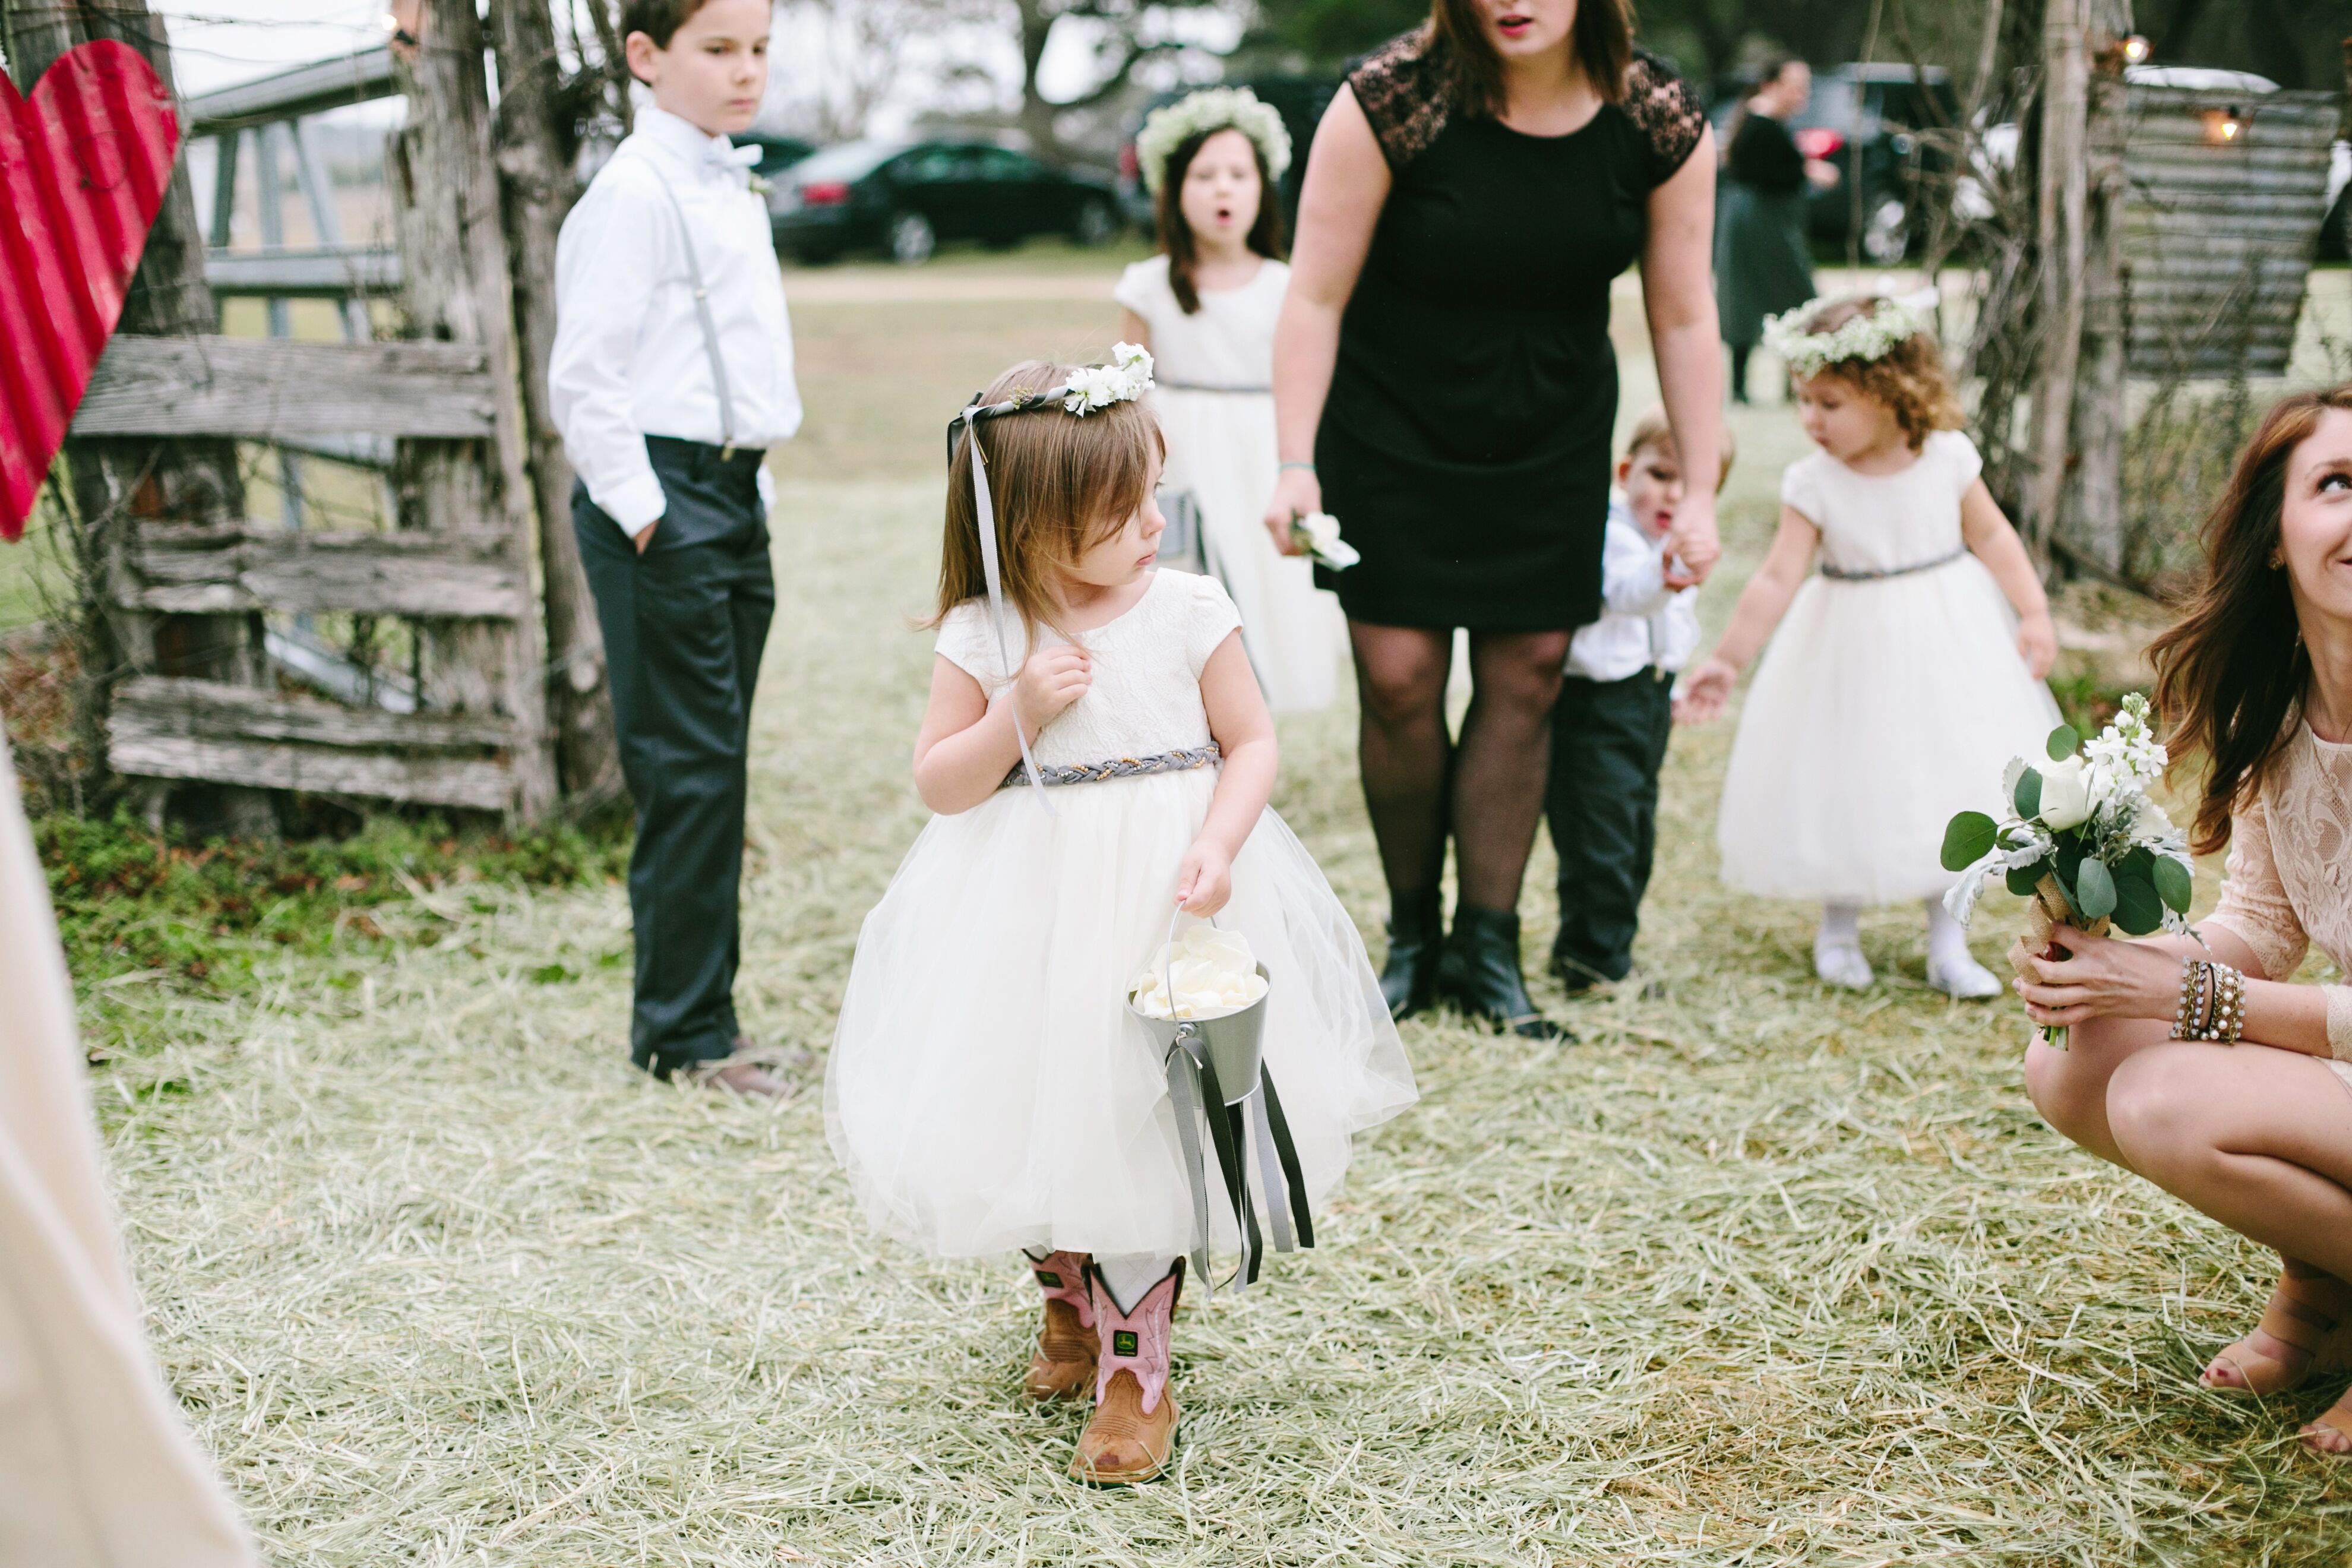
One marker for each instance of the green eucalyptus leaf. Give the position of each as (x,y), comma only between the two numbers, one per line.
(2028,798)
(2094,890)
(1968,840)
(2173,884)
(2023,881)
(2063,741)
(2137,909)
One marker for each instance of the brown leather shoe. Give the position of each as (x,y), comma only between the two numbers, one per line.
(735,1075)
(1133,1429)
(1063,1361)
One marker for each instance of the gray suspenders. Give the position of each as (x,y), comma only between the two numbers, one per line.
(710,326)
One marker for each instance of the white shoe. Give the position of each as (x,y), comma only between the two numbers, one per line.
(1959,976)
(1839,964)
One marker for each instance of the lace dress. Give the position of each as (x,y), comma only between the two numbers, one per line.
(2287,884)
(1465,444)
(987,1087)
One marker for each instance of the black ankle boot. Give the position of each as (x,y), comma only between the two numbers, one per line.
(1480,972)
(1416,930)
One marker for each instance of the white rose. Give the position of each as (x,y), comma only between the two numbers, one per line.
(2065,795)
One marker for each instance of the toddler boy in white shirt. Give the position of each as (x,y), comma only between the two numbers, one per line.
(672,373)
(1615,714)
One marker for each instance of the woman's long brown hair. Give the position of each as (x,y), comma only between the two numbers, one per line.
(2232,672)
(1266,234)
(1058,483)
(1601,37)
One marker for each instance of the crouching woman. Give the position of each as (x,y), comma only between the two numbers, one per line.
(2249,1119)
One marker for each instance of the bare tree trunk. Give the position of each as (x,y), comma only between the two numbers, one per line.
(2061,240)
(2091,502)
(456,288)
(120,485)
(537,189)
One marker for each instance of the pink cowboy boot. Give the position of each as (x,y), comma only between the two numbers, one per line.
(1062,1361)
(1133,1429)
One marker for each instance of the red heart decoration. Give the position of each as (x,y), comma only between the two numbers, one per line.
(84,165)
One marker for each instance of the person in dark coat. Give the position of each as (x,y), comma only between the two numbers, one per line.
(1761,264)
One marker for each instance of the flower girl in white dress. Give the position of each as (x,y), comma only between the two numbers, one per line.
(1206,307)
(1899,682)
(987,1088)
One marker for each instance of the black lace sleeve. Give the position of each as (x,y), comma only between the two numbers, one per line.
(1401,89)
(1665,111)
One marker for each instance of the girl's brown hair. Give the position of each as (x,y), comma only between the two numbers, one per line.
(1909,378)
(2231,673)
(1602,40)
(1266,234)
(1059,485)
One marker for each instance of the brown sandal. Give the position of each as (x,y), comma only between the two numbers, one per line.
(2305,1330)
(1063,1361)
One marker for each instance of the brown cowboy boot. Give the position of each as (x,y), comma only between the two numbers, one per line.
(1063,1361)
(1133,1429)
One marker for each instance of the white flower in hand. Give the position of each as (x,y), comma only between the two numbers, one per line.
(2065,795)
(1320,532)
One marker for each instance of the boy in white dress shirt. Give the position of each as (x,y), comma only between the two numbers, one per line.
(1615,713)
(672,373)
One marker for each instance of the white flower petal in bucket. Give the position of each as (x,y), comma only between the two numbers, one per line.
(1205,973)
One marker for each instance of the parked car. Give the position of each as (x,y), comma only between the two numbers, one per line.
(1300,99)
(777,153)
(907,198)
(1865,122)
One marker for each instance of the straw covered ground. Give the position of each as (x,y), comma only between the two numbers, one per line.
(1754,1273)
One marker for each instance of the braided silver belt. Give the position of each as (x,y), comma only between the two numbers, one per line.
(1840,574)
(1116,768)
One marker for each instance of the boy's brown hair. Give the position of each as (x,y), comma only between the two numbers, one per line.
(1653,429)
(1909,378)
(1059,484)
(657,19)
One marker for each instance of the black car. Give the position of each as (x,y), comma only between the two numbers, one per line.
(1300,99)
(777,153)
(905,199)
(1864,120)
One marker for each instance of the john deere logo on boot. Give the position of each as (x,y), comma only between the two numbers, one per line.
(1122,1342)
(1051,1280)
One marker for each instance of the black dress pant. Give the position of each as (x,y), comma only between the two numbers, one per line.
(1608,741)
(684,626)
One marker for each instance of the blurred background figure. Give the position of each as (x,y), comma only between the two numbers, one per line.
(100,1470)
(1761,264)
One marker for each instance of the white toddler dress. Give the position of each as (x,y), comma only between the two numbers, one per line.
(988,1090)
(1886,703)
(1214,396)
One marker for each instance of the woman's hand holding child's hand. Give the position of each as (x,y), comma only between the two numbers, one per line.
(1053,678)
(1205,880)
(2037,642)
(1704,691)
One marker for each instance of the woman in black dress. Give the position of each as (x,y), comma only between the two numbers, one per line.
(1763,265)
(1443,383)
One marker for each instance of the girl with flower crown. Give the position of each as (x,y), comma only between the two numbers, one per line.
(1206,307)
(1899,681)
(989,1089)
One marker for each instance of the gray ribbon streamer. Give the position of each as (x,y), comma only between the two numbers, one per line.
(986,508)
(1269,1171)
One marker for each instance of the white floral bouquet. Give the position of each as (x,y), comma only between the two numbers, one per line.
(1317,533)
(2087,844)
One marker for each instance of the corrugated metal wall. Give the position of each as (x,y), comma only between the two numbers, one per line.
(2219,233)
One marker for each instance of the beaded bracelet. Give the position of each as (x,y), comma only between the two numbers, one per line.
(2212,1004)
(2185,1013)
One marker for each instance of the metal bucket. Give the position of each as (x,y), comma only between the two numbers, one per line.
(1235,1041)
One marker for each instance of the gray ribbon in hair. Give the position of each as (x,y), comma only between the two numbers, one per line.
(986,508)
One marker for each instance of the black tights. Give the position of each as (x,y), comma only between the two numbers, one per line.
(1418,780)
(1739,352)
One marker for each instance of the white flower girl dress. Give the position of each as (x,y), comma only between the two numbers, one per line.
(988,1090)
(1891,697)
(1214,396)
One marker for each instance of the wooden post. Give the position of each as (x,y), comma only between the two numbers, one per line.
(2090,523)
(538,188)
(456,288)
(2063,194)
(124,485)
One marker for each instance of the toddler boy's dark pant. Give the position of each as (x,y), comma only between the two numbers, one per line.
(1608,741)
(684,626)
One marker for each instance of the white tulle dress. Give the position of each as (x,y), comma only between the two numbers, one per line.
(1887,701)
(988,1090)
(1216,403)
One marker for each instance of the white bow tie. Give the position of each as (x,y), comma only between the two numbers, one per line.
(733,162)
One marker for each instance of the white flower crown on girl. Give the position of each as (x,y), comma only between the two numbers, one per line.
(1874,336)
(1212,108)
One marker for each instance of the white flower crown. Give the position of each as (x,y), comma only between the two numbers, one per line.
(1125,379)
(1874,336)
(1212,108)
